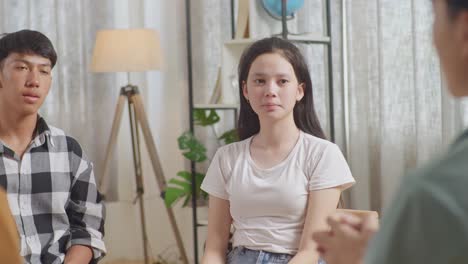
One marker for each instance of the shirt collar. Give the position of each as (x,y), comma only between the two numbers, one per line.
(42,131)
(41,126)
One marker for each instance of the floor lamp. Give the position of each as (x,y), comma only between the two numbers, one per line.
(133,50)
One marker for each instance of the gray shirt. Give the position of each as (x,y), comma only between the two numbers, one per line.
(428,221)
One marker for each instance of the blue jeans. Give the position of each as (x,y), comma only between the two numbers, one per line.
(242,255)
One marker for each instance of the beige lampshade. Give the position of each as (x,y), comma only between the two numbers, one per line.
(126,50)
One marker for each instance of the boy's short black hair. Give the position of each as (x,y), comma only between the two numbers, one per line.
(29,42)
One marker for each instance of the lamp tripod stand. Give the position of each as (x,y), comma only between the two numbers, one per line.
(138,117)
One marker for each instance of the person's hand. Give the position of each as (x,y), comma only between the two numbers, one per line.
(347,239)
(78,254)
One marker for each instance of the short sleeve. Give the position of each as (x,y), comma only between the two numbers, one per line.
(215,180)
(329,170)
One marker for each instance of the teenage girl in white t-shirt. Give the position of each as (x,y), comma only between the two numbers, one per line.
(280,182)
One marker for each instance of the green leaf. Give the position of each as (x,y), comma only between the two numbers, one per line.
(184,140)
(172,194)
(200,117)
(198,181)
(181,187)
(230,136)
(187,175)
(213,118)
(195,156)
(191,147)
(187,200)
(186,186)
(194,150)
(204,195)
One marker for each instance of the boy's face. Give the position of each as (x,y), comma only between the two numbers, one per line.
(450,35)
(25,80)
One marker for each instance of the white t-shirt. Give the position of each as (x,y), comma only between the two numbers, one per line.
(268,206)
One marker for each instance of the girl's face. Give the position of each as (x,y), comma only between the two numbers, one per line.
(272,88)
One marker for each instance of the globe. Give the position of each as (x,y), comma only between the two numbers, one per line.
(273,7)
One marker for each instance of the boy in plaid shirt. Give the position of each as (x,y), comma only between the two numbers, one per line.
(49,181)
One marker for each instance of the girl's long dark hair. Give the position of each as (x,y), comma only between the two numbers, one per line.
(304,111)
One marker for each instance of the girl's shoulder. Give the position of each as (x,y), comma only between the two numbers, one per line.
(315,148)
(312,142)
(234,149)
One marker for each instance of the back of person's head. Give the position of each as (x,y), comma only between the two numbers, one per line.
(27,42)
(456,6)
(304,111)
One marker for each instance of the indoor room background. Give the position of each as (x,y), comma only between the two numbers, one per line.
(390,112)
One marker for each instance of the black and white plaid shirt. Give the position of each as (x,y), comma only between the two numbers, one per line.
(53,197)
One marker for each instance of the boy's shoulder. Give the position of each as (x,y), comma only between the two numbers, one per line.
(63,141)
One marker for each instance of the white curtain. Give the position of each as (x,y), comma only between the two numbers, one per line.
(400,114)
(79,102)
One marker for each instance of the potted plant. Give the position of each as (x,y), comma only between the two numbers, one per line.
(180,188)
